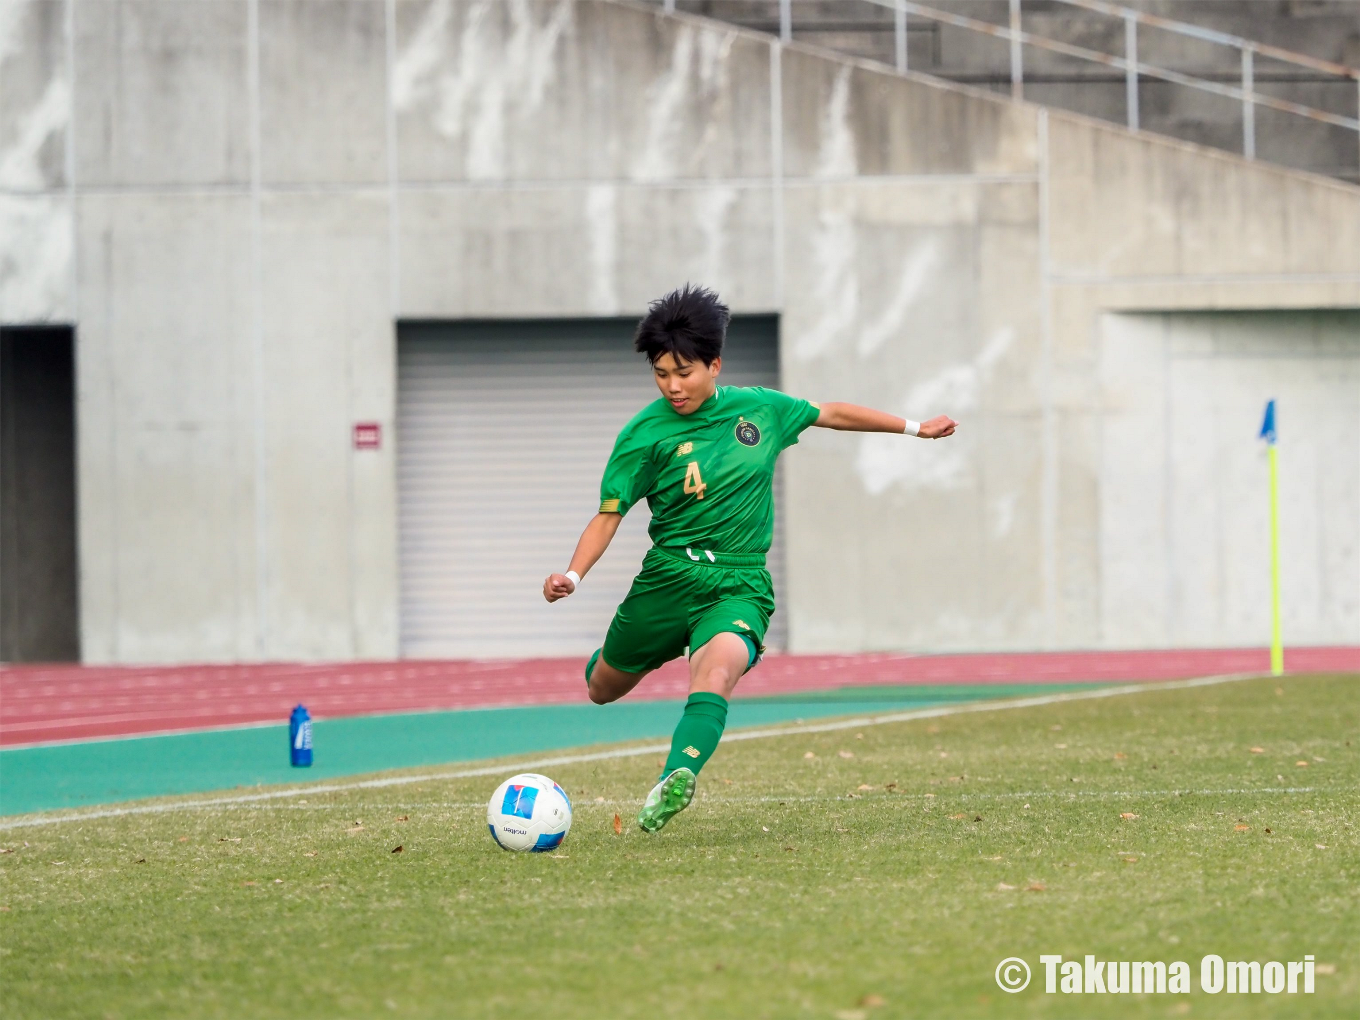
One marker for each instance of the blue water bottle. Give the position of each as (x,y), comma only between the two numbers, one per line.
(300,738)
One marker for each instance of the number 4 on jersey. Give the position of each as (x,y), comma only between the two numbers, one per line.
(694,482)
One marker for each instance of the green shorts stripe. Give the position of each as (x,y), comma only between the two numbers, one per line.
(710,557)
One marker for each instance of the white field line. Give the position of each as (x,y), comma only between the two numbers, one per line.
(623,752)
(1024,795)
(912,797)
(256,724)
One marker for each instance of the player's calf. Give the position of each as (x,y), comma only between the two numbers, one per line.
(604,683)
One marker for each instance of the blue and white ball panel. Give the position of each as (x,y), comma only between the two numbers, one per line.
(518,801)
(529,812)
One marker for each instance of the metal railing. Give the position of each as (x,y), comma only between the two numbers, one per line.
(1134,69)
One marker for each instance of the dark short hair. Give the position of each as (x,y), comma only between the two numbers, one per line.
(690,324)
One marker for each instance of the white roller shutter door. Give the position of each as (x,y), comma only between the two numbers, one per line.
(503,430)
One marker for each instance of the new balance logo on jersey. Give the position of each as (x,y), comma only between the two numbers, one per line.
(683,449)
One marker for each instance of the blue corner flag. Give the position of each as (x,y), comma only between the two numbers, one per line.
(1268,426)
(1276,642)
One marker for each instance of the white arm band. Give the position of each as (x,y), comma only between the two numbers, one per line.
(575,578)
(913,428)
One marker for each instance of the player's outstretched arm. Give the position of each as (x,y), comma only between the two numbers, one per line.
(853,418)
(594,541)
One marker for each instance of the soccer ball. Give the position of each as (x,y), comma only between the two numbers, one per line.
(529,812)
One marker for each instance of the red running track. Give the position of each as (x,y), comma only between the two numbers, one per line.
(43,703)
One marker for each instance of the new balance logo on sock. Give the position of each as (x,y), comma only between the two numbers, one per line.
(692,751)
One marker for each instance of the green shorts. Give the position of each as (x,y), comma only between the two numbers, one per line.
(676,602)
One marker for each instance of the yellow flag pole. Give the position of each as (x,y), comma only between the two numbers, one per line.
(1276,640)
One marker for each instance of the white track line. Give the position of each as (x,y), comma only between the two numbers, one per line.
(105,738)
(628,752)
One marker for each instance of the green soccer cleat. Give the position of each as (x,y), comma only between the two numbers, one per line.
(667,799)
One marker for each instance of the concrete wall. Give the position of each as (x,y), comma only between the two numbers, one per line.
(974,280)
(1184,516)
(236,200)
(202,189)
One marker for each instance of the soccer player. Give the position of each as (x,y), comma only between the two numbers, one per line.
(703,457)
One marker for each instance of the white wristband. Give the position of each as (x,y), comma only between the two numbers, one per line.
(913,428)
(575,578)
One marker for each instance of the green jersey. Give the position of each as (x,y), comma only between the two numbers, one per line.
(708,477)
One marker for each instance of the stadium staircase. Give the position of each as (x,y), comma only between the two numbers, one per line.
(1219,74)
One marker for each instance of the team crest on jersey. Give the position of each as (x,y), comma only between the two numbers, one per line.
(747,433)
(683,449)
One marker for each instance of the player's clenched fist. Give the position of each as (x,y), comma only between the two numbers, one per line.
(938,428)
(557,586)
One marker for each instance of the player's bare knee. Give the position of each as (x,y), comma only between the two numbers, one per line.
(599,696)
(719,676)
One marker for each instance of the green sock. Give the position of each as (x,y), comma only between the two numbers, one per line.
(698,732)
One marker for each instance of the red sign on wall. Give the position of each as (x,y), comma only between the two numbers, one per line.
(367,435)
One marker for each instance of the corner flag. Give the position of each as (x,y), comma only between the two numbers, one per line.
(1276,642)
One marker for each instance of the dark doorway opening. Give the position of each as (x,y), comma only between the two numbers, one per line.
(39,594)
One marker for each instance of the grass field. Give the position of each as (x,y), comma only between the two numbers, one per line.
(870,872)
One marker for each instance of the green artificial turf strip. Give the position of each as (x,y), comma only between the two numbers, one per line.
(786,890)
(103,771)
